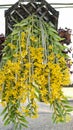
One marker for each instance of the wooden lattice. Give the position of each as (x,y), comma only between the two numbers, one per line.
(23,8)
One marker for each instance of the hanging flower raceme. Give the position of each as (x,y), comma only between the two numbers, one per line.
(33,69)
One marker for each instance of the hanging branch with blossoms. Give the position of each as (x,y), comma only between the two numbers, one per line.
(33,68)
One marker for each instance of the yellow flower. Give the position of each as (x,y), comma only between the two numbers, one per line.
(43,91)
(3,103)
(23,36)
(34,116)
(12,46)
(50,47)
(33,39)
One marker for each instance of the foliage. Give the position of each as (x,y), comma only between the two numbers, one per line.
(33,67)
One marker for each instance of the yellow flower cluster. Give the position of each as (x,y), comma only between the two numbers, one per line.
(27,77)
(28,72)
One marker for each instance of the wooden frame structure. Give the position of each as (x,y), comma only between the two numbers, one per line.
(23,8)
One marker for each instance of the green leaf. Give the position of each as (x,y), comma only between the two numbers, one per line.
(21,118)
(51,29)
(7,57)
(5,116)
(54,117)
(14,32)
(24,125)
(15,126)
(7,121)
(68,106)
(17,25)
(69,110)
(4,110)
